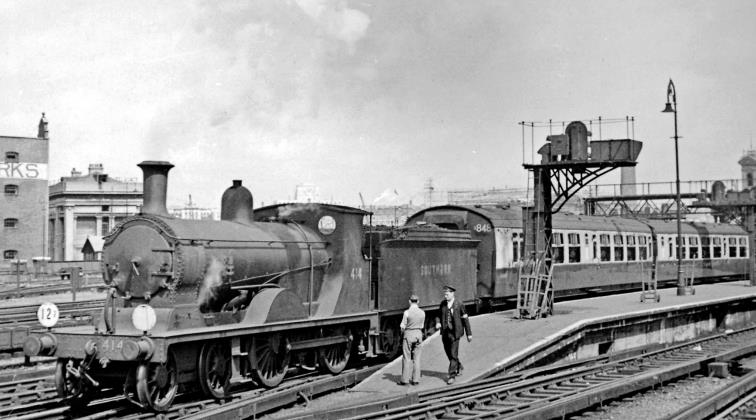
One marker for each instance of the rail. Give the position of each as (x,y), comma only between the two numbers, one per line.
(248,403)
(563,392)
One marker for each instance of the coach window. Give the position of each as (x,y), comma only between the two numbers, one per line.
(515,248)
(11,190)
(522,246)
(11,157)
(557,248)
(573,239)
(733,247)
(631,247)
(10,222)
(606,249)
(693,242)
(619,254)
(717,248)
(10,254)
(705,247)
(642,250)
(743,246)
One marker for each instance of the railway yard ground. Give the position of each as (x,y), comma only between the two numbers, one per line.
(65,297)
(603,357)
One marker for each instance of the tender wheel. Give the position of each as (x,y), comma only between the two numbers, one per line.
(157,384)
(335,357)
(392,338)
(70,385)
(214,369)
(271,356)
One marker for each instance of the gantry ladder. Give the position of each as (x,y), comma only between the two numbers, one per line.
(534,289)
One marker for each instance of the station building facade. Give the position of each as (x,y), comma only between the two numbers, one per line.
(24,199)
(86,206)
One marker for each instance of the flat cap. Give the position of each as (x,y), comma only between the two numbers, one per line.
(449,288)
(414,298)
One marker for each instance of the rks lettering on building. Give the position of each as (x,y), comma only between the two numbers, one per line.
(21,170)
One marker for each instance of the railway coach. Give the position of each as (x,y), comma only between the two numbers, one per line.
(592,254)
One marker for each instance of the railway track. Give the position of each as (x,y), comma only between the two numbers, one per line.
(560,393)
(17,321)
(253,402)
(45,289)
(736,401)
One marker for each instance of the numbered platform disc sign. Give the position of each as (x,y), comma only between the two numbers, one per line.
(143,317)
(48,314)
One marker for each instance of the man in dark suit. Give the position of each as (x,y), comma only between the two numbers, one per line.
(453,324)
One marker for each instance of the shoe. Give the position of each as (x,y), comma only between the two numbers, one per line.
(415,383)
(450,381)
(400,383)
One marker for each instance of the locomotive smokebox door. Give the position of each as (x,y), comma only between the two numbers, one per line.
(140,253)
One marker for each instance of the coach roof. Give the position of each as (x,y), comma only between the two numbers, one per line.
(505,216)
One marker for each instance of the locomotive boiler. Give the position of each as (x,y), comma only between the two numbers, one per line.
(202,304)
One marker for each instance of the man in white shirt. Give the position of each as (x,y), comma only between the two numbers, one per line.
(412,326)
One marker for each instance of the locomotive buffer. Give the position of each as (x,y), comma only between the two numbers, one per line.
(569,162)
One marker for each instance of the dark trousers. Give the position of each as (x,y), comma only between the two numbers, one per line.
(451,347)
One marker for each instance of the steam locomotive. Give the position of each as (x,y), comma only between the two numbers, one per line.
(199,305)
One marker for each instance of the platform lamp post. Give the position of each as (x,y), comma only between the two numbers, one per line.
(682,288)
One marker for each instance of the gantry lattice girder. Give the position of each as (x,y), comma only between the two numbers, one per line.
(567,178)
(655,206)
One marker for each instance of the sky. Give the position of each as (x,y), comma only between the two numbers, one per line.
(361,97)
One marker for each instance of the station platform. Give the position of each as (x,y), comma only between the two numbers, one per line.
(499,338)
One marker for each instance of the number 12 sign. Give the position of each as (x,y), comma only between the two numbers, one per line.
(48,314)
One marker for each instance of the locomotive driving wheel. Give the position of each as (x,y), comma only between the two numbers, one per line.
(70,384)
(214,368)
(391,337)
(334,358)
(157,384)
(270,354)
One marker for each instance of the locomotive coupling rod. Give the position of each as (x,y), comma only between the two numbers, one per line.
(318,342)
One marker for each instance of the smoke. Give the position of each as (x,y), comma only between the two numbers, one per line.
(211,283)
(288,210)
(262,70)
(338,21)
(260,79)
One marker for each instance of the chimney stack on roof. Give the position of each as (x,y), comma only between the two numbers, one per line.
(43,132)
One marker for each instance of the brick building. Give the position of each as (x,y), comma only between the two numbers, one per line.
(23,204)
(84,206)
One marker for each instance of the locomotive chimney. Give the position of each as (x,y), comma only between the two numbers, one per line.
(237,204)
(155,186)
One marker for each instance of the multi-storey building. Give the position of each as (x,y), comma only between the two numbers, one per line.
(90,205)
(192,211)
(23,204)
